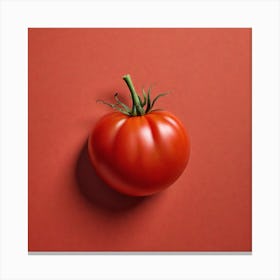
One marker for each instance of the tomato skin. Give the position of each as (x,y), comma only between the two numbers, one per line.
(139,155)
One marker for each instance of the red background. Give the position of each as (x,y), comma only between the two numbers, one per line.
(208,72)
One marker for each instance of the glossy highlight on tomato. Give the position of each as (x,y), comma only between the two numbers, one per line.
(139,154)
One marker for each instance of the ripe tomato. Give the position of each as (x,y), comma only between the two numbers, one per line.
(139,154)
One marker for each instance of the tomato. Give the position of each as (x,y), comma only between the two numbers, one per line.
(139,153)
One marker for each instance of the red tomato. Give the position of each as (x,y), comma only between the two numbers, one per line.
(139,155)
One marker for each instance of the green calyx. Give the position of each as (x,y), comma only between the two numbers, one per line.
(140,105)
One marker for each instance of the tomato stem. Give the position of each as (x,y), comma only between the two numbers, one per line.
(138,103)
(137,109)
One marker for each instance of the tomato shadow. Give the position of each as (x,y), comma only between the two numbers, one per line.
(97,192)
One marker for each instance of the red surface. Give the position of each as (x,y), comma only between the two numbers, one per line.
(209,74)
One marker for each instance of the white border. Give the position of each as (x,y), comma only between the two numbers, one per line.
(17,16)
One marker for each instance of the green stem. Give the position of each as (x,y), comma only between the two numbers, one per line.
(136,104)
